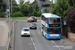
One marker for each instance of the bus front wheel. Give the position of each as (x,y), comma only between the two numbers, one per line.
(45,36)
(42,33)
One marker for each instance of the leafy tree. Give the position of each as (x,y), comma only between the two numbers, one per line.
(61,8)
(71,3)
(27,9)
(14,3)
(17,14)
(24,9)
(16,9)
(21,2)
(31,10)
(2,6)
(36,7)
(71,20)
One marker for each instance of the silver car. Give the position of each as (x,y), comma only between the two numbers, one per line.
(25,31)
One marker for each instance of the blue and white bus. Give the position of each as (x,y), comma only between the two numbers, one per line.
(51,26)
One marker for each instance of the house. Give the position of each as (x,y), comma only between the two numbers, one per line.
(41,2)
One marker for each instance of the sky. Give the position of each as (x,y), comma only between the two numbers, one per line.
(24,1)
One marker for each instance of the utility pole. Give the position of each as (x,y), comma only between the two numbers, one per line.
(9,24)
(11,6)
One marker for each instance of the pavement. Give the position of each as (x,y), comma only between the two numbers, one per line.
(65,40)
(36,41)
(3,35)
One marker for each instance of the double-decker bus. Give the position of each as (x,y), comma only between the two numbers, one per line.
(51,26)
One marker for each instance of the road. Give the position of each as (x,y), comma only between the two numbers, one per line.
(36,41)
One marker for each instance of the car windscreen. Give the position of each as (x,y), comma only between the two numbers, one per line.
(32,17)
(25,29)
(33,24)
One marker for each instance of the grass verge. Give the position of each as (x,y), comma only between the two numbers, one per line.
(22,18)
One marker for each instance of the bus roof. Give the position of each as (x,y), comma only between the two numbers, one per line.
(50,15)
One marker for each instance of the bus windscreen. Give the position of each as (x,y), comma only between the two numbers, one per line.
(54,21)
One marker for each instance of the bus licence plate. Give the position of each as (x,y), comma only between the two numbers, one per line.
(54,35)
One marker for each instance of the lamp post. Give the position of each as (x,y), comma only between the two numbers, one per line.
(9,22)
(11,6)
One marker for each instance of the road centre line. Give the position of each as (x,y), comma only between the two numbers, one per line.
(33,43)
(35,48)
(31,39)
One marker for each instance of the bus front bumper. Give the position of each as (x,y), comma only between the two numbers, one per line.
(53,37)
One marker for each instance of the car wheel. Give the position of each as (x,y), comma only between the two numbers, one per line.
(29,35)
(30,27)
(35,28)
(42,33)
(21,35)
(29,20)
(35,20)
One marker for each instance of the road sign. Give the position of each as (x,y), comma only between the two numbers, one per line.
(64,22)
(7,11)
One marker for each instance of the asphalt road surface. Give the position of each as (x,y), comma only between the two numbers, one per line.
(36,41)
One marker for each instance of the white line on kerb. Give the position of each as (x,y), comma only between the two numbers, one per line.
(32,39)
(55,44)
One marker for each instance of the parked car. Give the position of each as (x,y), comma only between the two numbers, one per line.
(25,32)
(33,26)
(32,19)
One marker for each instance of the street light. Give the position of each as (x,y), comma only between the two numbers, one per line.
(11,6)
(9,22)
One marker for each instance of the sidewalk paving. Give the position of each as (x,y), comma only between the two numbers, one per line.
(67,41)
(3,35)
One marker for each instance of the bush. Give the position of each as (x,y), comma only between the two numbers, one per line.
(71,20)
(38,14)
(16,9)
(2,14)
(17,14)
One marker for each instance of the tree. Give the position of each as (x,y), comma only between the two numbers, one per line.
(2,6)
(24,9)
(71,3)
(14,3)
(60,8)
(70,19)
(16,9)
(21,2)
(31,10)
(36,7)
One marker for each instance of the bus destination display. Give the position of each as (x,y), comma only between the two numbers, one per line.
(54,25)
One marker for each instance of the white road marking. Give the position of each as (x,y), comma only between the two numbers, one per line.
(35,48)
(33,43)
(37,26)
(52,41)
(55,44)
(31,39)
